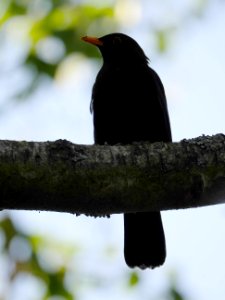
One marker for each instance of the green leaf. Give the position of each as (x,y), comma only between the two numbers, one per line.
(134,279)
(161,39)
(9,230)
(175,294)
(55,285)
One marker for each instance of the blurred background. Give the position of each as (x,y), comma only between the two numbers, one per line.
(46,77)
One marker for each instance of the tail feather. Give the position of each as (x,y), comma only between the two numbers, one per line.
(144,240)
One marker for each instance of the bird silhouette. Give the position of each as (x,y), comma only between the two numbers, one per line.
(129,105)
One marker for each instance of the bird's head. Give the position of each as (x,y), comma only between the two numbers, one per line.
(118,48)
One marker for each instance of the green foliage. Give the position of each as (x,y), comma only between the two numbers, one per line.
(52,30)
(48,262)
(25,253)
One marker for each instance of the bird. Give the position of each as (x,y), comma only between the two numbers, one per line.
(129,105)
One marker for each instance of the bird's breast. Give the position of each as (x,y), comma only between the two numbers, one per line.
(125,106)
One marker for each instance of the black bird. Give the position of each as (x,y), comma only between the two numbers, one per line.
(129,105)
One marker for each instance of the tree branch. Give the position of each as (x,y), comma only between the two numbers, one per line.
(101,180)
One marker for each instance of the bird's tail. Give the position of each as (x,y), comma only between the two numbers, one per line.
(144,240)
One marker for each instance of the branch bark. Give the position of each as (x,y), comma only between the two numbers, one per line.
(101,180)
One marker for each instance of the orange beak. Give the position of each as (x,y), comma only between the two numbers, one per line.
(92,40)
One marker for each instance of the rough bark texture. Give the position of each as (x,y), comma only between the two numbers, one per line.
(101,180)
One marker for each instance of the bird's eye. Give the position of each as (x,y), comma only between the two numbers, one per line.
(117,40)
